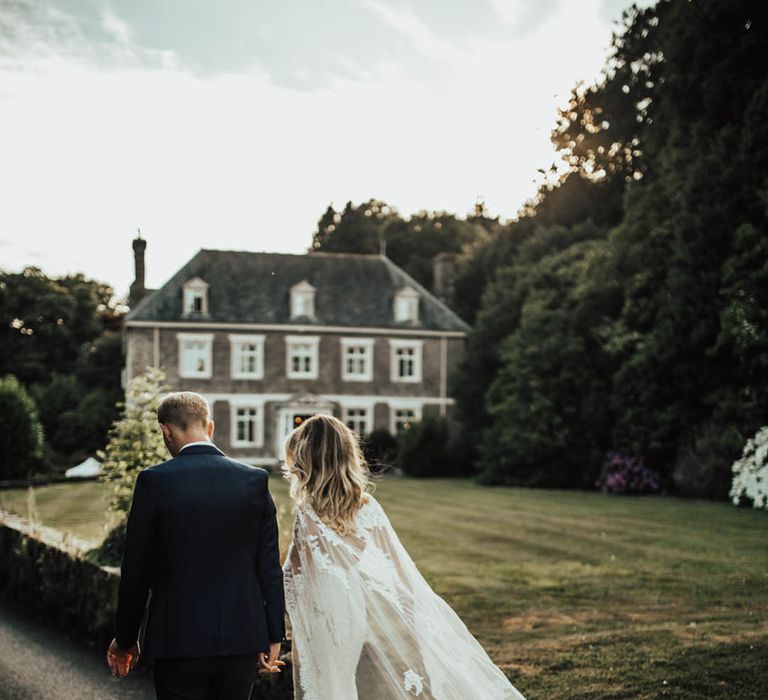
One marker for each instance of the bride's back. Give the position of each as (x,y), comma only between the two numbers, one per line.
(365,623)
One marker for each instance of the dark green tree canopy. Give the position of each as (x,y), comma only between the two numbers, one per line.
(21,435)
(665,307)
(61,337)
(45,321)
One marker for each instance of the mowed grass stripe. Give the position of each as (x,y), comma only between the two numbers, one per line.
(692,549)
(553,536)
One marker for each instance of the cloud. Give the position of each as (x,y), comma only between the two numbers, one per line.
(37,32)
(403,20)
(116,27)
(524,16)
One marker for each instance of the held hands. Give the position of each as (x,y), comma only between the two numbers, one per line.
(271,664)
(121,661)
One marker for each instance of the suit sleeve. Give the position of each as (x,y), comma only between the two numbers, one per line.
(270,572)
(136,567)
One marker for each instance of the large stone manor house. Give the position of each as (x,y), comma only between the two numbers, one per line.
(270,339)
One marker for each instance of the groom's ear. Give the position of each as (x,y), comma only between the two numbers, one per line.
(166,430)
(209,429)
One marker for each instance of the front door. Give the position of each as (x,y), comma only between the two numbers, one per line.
(299,418)
(288,419)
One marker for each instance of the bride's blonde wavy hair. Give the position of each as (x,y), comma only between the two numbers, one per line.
(327,470)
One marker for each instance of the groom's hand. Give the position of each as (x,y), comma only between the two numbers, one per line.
(270,663)
(121,661)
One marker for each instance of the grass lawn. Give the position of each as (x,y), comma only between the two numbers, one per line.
(574,595)
(78,507)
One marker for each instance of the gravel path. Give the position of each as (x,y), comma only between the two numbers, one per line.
(37,663)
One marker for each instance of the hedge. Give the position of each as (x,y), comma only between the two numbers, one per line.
(48,573)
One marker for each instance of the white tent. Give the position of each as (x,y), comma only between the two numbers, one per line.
(90,467)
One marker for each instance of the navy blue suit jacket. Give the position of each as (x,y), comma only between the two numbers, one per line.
(202,537)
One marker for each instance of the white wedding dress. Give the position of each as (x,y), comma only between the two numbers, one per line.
(367,625)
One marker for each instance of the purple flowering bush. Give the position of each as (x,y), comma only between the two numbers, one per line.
(627,474)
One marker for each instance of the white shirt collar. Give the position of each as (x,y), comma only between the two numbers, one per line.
(197,442)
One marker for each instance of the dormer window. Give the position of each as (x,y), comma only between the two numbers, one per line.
(196,297)
(406,305)
(302,300)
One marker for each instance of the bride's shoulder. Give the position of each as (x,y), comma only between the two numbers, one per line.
(369,500)
(371,514)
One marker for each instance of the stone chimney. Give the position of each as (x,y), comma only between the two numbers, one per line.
(138,288)
(444,276)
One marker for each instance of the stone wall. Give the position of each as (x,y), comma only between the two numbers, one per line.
(50,573)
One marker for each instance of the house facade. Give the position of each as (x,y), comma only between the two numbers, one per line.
(271,339)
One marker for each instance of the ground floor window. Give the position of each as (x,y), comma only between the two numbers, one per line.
(357,419)
(403,419)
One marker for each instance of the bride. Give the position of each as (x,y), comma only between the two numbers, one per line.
(365,622)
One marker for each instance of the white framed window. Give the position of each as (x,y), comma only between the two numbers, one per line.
(356,359)
(405,360)
(195,297)
(402,418)
(406,305)
(357,419)
(301,356)
(247,426)
(302,300)
(195,355)
(247,353)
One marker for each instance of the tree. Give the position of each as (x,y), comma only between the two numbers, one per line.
(669,150)
(548,272)
(548,404)
(744,317)
(20,430)
(433,447)
(356,229)
(45,321)
(411,243)
(61,339)
(600,132)
(673,247)
(135,440)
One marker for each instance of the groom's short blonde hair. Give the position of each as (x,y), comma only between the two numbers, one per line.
(184,409)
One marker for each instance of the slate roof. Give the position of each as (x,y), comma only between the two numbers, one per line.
(249,287)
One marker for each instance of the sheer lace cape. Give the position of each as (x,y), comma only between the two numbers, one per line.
(367,625)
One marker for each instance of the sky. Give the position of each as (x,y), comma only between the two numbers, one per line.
(233,124)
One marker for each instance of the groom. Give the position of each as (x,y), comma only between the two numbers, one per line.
(202,540)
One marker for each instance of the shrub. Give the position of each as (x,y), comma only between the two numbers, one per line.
(75,418)
(549,404)
(110,551)
(703,465)
(432,447)
(62,393)
(135,441)
(750,472)
(85,428)
(627,474)
(21,435)
(380,449)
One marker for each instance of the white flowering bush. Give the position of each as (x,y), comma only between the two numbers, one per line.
(750,472)
(135,441)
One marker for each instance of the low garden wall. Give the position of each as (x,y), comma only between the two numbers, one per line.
(49,573)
